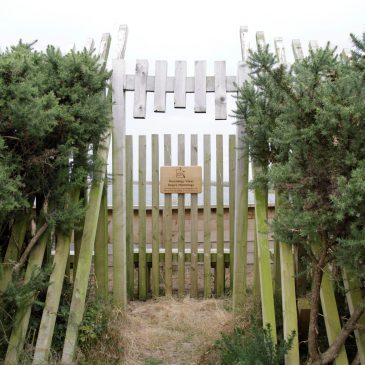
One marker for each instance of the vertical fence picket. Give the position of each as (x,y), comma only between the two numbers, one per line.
(241,207)
(232,202)
(180,84)
(181,222)
(167,222)
(219,216)
(200,92)
(284,265)
(142,262)
(129,215)
(140,89)
(77,306)
(101,250)
(207,207)
(155,217)
(262,229)
(220,90)
(160,86)
(194,224)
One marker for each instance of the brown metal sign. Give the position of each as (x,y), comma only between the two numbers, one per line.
(180,179)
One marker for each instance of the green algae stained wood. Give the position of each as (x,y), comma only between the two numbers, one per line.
(289,305)
(101,250)
(167,222)
(155,217)
(219,216)
(77,307)
(207,208)
(21,322)
(194,224)
(262,231)
(142,263)
(354,300)
(241,207)
(181,223)
(232,202)
(129,215)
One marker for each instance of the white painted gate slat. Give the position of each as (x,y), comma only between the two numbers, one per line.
(122,40)
(180,84)
(160,86)
(129,84)
(297,49)
(280,50)
(220,90)
(140,89)
(200,100)
(260,39)
(313,45)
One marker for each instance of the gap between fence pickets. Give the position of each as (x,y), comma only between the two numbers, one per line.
(129,84)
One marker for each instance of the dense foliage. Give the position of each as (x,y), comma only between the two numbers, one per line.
(253,347)
(306,123)
(51,115)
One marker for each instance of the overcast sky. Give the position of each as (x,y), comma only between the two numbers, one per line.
(180,30)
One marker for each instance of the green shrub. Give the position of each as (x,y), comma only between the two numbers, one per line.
(253,347)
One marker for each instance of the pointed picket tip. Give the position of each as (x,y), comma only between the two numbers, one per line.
(121,42)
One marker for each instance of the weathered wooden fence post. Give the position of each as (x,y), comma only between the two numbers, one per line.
(241,213)
(262,229)
(88,240)
(119,169)
(284,264)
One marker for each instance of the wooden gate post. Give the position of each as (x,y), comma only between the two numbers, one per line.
(119,169)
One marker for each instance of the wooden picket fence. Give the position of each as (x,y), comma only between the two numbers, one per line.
(163,252)
(159,247)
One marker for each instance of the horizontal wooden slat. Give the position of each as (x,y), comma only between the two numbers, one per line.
(190,84)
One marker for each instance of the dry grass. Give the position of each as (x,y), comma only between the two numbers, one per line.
(171,332)
(166,332)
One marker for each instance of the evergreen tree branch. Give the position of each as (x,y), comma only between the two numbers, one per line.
(29,247)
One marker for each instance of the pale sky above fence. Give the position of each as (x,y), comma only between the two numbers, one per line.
(180,30)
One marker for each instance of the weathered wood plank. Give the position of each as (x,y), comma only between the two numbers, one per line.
(53,297)
(101,250)
(155,217)
(118,165)
(241,208)
(330,310)
(290,318)
(280,50)
(194,223)
(140,89)
(77,306)
(121,42)
(190,84)
(200,97)
(181,222)
(160,86)
(260,40)
(180,84)
(129,214)
(167,222)
(297,49)
(232,201)
(219,215)
(313,45)
(244,42)
(354,300)
(262,231)
(22,317)
(142,264)
(207,212)
(220,90)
